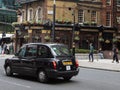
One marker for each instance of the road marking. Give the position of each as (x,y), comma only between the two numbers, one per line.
(13,83)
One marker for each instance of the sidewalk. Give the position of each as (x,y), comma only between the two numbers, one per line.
(101,64)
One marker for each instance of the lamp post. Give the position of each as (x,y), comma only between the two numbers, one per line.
(73,36)
(53,26)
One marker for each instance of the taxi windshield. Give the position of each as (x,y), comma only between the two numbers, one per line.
(61,50)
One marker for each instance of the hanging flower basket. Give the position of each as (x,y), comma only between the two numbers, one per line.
(93,23)
(77,38)
(57,38)
(86,23)
(107,41)
(47,37)
(26,36)
(114,40)
(101,39)
(36,37)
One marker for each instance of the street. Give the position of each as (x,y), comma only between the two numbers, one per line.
(88,79)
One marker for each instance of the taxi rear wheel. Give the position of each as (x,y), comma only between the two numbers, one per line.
(42,76)
(8,71)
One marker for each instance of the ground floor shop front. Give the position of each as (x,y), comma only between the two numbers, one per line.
(83,36)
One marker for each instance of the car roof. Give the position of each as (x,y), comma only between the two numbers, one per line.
(46,44)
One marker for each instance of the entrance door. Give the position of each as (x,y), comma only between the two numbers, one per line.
(107,44)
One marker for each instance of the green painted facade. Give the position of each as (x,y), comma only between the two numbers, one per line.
(7,15)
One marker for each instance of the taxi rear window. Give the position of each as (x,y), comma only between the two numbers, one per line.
(61,50)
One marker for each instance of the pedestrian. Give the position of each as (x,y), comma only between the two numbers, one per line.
(0,49)
(4,48)
(115,54)
(100,54)
(91,52)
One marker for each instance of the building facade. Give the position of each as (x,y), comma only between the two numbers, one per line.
(89,20)
(7,15)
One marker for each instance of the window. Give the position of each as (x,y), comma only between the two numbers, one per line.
(43,52)
(118,20)
(108,2)
(108,19)
(21,52)
(23,16)
(30,14)
(80,16)
(31,51)
(93,16)
(39,14)
(118,2)
(61,50)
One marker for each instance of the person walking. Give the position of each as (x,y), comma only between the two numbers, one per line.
(91,52)
(115,54)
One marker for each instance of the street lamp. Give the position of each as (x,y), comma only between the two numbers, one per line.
(73,36)
(53,26)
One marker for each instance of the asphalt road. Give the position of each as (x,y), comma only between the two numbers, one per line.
(88,79)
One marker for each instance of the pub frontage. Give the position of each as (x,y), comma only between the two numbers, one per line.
(101,37)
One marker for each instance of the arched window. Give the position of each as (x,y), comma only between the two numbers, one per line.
(23,15)
(39,14)
(30,14)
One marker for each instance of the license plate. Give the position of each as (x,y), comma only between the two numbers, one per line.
(68,68)
(67,63)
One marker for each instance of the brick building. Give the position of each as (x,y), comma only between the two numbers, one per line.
(92,22)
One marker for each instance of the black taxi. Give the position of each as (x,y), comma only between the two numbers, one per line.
(44,61)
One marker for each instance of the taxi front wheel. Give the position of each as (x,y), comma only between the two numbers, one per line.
(8,71)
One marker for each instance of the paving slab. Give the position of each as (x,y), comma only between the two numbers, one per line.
(102,64)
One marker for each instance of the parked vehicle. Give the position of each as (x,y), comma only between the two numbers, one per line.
(7,39)
(44,61)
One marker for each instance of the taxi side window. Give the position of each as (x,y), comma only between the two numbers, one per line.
(31,51)
(22,52)
(43,52)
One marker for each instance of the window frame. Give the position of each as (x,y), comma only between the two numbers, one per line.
(108,19)
(80,16)
(30,14)
(93,16)
(23,15)
(39,14)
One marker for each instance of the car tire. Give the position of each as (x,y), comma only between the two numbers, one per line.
(42,77)
(8,71)
(67,78)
